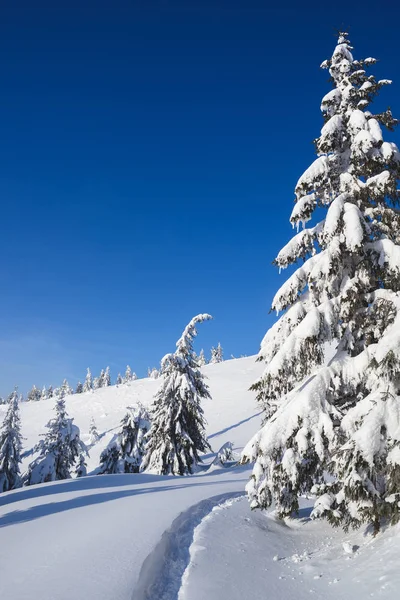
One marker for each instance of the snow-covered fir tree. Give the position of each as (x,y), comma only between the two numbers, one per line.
(128,374)
(88,384)
(331,387)
(177,434)
(10,447)
(125,454)
(93,433)
(44,393)
(50,392)
(105,378)
(217,355)
(66,389)
(119,379)
(59,450)
(34,395)
(201,359)
(79,388)
(154,373)
(97,382)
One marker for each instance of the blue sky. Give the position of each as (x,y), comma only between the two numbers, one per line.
(148,156)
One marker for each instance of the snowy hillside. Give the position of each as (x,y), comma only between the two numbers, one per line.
(175,538)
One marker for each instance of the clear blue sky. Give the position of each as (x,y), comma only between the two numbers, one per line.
(148,156)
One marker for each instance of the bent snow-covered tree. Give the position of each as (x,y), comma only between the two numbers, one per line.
(10,446)
(177,436)
(331,387)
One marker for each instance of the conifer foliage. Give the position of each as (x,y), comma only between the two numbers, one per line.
(59,450)
(10,447)
(177,435)
(331,389)
(125,454)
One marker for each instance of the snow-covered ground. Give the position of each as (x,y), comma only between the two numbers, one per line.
(120,537)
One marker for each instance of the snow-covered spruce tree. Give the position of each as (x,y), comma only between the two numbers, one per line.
(66,389)
(128,374)
(34,395)
(154,373)
(331,387)
(105,378)
(119,379)
(88,384)
(79,388)
(93,433)
(201,359)
(125,454)
(10,447)
(177,435)
(59,450)
(217,355)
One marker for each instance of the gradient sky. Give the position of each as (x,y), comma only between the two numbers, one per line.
(148,156)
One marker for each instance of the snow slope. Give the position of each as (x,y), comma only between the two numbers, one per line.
(88,538)
(143,537)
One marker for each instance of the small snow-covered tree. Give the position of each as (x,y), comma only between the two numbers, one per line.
(88,384)
(217,354)
(177,434)
(34,395)
(154,373)
(331,387)
(201,359)
(97,382)
(125,454)
(10,447)
(59,450)
(119,379)
(66,389)
(44,393)
(50,392)
(79,388)
(128,374)
(93,433)
(134,377)
(105,378)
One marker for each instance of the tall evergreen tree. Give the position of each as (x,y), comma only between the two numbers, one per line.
(59,450)
(177,435)
(337,413)
(10,447)
(125,454)
(88,384)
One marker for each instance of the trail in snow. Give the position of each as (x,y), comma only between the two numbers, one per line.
(161,573)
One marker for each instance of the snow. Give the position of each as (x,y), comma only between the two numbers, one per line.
(166,538)
(295,560)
